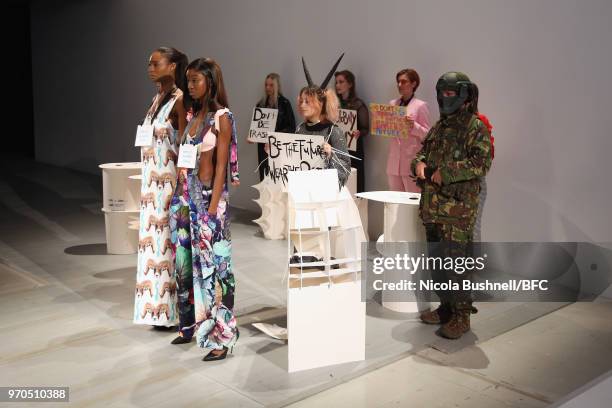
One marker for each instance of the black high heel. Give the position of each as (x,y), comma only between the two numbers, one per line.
(181,340)
(165,328)
(212,357)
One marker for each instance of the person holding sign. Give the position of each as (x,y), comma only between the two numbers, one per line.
(156,137)
(319,108)
(346,91)
(403,150)
(200,216)
(285,121)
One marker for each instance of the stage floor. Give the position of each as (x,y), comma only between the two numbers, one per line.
(67,310)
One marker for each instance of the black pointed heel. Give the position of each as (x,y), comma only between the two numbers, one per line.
(165,328)
(181,340)
(212,357)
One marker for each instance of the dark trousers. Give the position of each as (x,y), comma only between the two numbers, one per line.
(359,165)
(449,241)
(262,156)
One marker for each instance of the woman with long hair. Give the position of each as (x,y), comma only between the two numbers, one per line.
(346,90)
(319,106)
(285,121)
(319,109)
(155,302)
(200,221)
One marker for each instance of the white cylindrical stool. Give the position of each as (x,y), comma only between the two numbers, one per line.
(121,205)
(121,238)
(119,193)
(401,224)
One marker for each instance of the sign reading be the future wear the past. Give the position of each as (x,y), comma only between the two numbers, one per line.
(293,152)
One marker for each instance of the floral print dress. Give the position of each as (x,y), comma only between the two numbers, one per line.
(202,243)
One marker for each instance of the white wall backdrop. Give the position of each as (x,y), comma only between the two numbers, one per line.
(543,68)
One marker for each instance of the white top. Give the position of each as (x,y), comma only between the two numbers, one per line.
(392,197)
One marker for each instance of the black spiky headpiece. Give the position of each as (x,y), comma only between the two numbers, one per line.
(327,78)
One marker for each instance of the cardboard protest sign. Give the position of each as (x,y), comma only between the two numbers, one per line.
(294,152)
(347,121)
(388,120)
(263,122)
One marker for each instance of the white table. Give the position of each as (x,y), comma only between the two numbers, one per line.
(401,224)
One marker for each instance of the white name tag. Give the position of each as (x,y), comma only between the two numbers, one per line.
(187,156)
(144,136)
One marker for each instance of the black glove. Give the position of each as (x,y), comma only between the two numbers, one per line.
(429,171)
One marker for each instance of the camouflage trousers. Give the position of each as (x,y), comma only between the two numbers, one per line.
(449,241)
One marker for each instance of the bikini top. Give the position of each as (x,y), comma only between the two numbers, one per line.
(209,141)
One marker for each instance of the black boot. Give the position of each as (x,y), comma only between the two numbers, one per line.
(439,316)
(459,324)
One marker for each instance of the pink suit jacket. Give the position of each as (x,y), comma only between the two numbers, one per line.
(403,151)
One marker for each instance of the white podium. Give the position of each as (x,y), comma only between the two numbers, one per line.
(121,206)
(273,203)
(401,224)
(325,313)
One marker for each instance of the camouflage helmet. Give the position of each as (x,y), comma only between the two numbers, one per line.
(453,81)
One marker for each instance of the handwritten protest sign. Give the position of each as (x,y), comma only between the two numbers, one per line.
(388,120)
(289,152)
(262,123)
(347,121)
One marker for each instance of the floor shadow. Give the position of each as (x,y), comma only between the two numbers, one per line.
(112,293)
(128,274)
(374,308)
(275,353)
(452,346)
(87,249)
(96,337)
(471,357)
(259,313)
(428,345)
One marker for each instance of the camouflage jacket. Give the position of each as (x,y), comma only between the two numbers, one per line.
(460,147)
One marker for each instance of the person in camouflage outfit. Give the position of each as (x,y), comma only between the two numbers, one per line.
(454,157)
